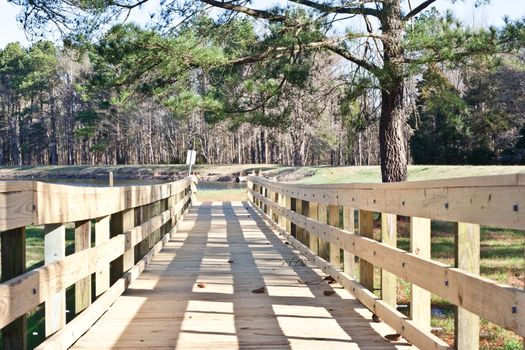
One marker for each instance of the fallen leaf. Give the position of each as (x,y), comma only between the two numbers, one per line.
(376,318)
(329,279)
(230,261)
(328,292)
(286,242)
(202,284)
(393,337)
(259,290)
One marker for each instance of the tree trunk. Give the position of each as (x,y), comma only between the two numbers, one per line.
(392,142)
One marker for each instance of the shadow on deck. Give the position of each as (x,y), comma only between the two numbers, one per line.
(230,251)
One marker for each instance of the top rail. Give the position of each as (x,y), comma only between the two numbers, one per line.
(25,203)
(487,200)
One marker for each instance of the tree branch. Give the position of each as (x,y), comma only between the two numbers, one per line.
(418,9)
(369,66)
(246,10)
(354,10)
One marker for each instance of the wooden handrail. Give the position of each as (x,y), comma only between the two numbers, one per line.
(127,220)
(467,202)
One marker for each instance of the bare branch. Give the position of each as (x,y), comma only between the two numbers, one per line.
(418,9)
(246,10)
(353,10)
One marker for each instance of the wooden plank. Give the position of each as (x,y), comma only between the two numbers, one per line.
(13,257)
(388,279)
(468,259)
(322,217)
(83,286)
(333,248)
(55,250)
(366,269)
(63,203)
(313,240)
(16,208)
(349,265)
(420,244)
(102,235)
(119,223)
(493,201)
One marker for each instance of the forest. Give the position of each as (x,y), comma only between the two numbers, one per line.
(239,94)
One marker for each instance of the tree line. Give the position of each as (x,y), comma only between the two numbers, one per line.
(287,97)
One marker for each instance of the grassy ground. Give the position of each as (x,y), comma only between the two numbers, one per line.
(322,175)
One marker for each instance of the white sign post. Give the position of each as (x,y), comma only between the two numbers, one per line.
(190,159)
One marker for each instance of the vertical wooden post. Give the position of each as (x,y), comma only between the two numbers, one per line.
(82,287)
(322,217)
(313,214)
(13,255)
(282,203)
(121,222)
(349,225)
(288,204)
(299,210)
(467,259)
(334,249)
(305,210)
(293,227)
(110,179)
(366,229)
(389,237)
(420,246)
(54,250)
(102,236)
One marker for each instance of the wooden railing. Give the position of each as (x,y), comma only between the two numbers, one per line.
(310,217)
(130,225)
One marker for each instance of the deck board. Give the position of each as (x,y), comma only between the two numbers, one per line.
(165,309)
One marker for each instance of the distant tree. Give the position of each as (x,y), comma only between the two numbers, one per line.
(384,49)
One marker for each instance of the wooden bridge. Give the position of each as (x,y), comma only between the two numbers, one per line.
(294,266)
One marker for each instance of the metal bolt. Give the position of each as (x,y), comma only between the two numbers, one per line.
(446,283)
(403,203)
(514,309)
(446,205)
(515,207)
(34,291)
(402,264)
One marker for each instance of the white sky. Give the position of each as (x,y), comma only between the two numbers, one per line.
(491,14)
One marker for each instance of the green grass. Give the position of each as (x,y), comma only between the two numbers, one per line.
(349,174)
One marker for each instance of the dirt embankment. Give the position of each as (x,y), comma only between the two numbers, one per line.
(150,172)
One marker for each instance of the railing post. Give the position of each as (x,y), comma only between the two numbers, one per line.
(101,236)
(420,298)
(305,207)
(334,249)
(54,250)
(13,255)
(120,223)
(82,287)
(322,218)
(467,259)
(299,210)
(313,213)
(389,237)
(366,269)
(288,203)
(349,225)
(282,203)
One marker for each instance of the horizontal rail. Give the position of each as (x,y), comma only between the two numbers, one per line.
(485,200)
(25,203)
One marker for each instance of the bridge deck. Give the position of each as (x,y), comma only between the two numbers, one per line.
(165,308)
